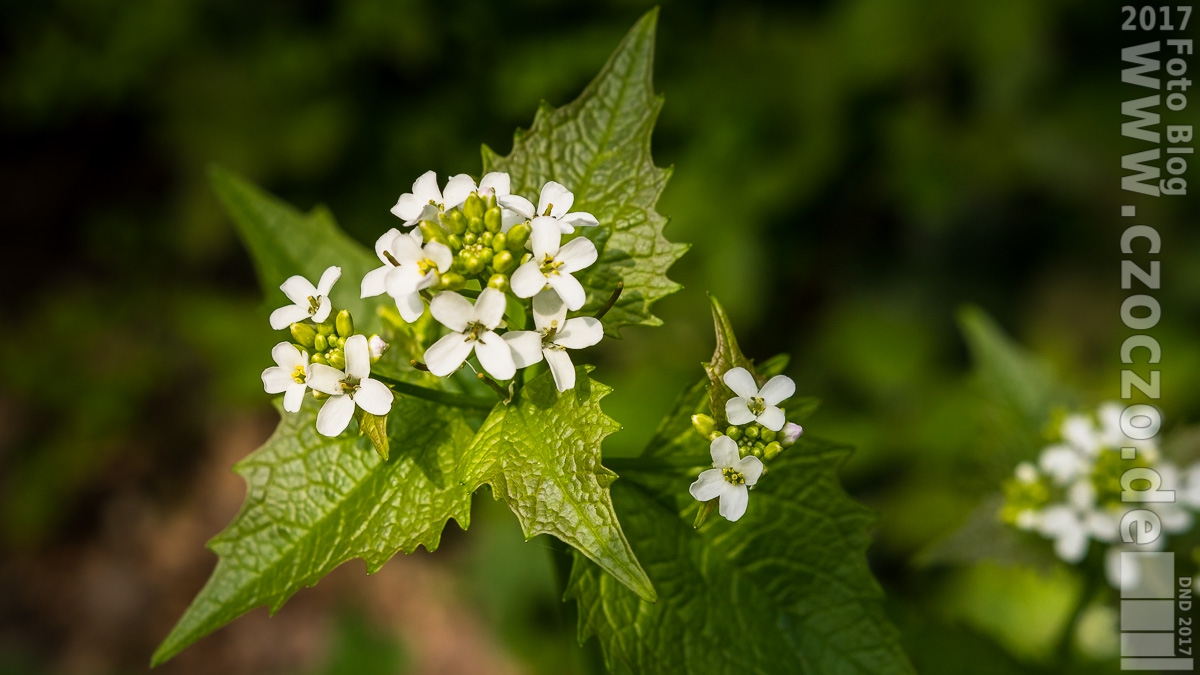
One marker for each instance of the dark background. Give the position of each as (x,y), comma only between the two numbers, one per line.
(849,174)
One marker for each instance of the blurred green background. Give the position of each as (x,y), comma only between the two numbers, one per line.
(849,174)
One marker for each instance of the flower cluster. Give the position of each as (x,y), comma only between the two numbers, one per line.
(473,253)
(1072,495)
(758,430)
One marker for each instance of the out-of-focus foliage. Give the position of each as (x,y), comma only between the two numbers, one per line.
(849,173)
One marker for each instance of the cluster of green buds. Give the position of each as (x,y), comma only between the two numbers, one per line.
(325,342)
(481,250)
(752,439)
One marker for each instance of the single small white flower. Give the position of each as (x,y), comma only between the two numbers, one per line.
(1066,462)
(377,347)
(425,201)
(375,282)
(1026,473)
(1073,524)
(552,266)
(754,405)
(348,389)
(417,268)
(307,302)
(289,377)
(473,329)
(555,334)
(555,202)
(730,479)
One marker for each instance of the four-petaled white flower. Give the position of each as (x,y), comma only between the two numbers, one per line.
(289,377)
(408,269)
(754,405)
(307,302)
(424,202)
(348,389)
(555,334)
(555,203)
(730,478)
(1074,523)
(473,329)
(552,265)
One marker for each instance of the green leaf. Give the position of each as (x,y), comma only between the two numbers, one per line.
(374,427)
(283,242)
(541,455)
(314,503)
(598,146)
(786,589)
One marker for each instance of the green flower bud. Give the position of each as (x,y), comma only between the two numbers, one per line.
(344,324)
(517,236)
(703,424)
(492,219)
(320,343)
(752,431)
(319,395)
(772,450)
(459,264)
(499,242)
(469,238)
(498,282)
(453,281)
(455,221)
(336,358)
(475,225)
(486,255)
(733,432)
(454,242)
(339,342)
(473,207)
(474,264)
(714,435)
(526,257)
(486,238)
(326,327)
(319,358)
(767,435)
(433,232)
(304,334)
(743,450)
(757,452)
(503,262)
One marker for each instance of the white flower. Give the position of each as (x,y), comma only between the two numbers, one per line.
(424,202)
(348,389)
(754,405)
(1174,517)
(552,266)
(307,302)
(555,203)
(1067,461)
(730,478)
(289,377)
(555,334)
(1111,436)
(473,328)
(1071,525)
(377,347)
(408,269)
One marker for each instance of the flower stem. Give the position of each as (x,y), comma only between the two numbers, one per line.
(1091,584)
(437,396)
(612,300)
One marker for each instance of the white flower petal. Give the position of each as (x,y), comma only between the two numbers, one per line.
(452,311)
(526,346)
(741,382)
(750,467)
(286,316)
(777,390)
(298,290)
(276,379)
(772,418)
(374,397)
(708,485)
(733,502)
(724,452)
(323,310)
(287,356)
(410,306)
(328,278)
(408,208)
(325,379)
(579,219)
(495,356)
(335,415)
(426,189)
(407,279)
(580,332)
(737,411)
(293,398)
(407,251)
(1103,525)
(448,353)
(358,357)
(1062,463)
(561,367)
(457,190)
(576,255)
(384,245)
(508,218)
(528,280)
(373,282)
(1058,519)
(548,308)
(545,238)
(1072,546)
(517,204)
(495,181)
(1082,495)
(489,308)
(1079,431)
(440,254)
(569,289)
(555,195)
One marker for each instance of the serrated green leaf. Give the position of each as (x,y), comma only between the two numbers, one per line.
(727,355)
(786,589)
(283,242)
(598,146)
(541,455)
(374,427)
(314,503)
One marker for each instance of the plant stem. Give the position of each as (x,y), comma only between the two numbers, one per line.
(437,396)
(1091,583)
